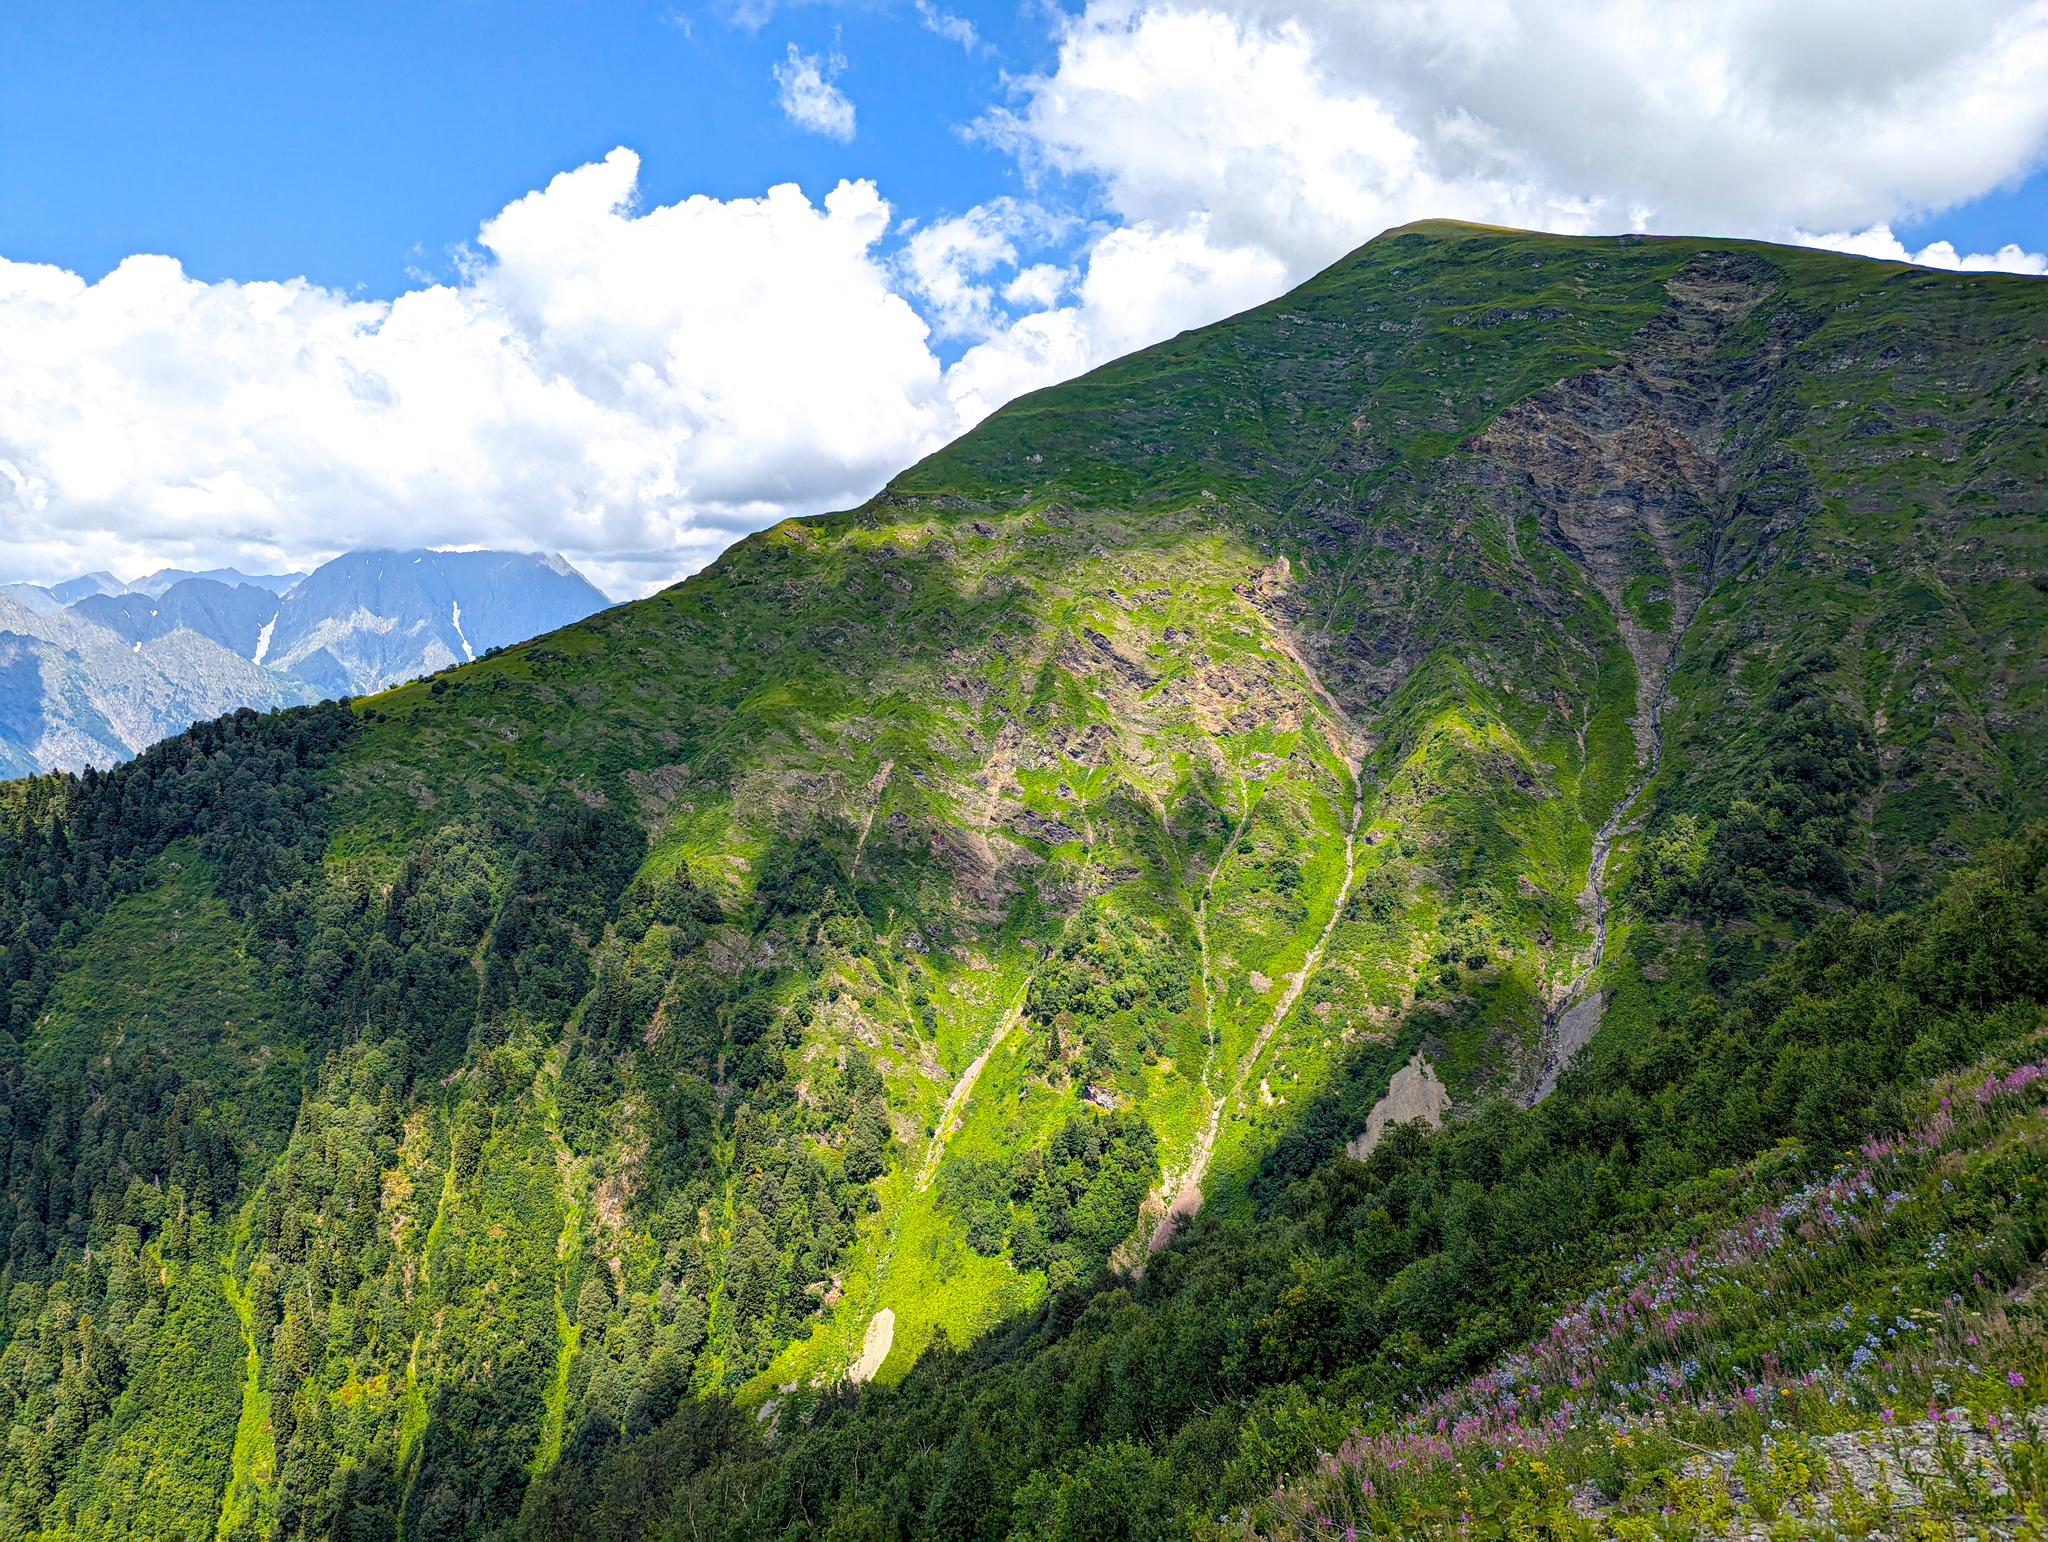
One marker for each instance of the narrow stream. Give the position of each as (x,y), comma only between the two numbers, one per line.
(1568,1025)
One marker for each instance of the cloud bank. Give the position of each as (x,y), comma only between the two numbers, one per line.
(1879,242)
(635,388)
(632,390)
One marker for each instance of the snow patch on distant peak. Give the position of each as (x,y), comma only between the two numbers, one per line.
(263,639)
(456,618)
(560,564)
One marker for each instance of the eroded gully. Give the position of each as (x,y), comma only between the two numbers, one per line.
(1570,1024)
(1185,1195)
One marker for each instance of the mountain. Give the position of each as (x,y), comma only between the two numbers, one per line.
(33,597)
(236,618)
(373,618)
(73,590)
(163,578)
(361,622)
(1416,904)
(356,624)
(74,693)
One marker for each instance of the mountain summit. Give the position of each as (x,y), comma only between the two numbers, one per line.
(1178,962)
(372,618)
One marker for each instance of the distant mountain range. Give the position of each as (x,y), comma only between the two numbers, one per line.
(48,601)
(93,670)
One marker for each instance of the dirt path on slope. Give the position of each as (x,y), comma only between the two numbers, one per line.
(875,787)
(956,1100)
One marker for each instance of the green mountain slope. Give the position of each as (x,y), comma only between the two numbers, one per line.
(1499,639)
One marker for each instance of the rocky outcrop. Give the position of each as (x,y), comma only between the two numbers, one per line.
(1623,465)
(1413,1093)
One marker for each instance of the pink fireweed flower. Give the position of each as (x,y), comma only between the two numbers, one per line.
(2018,1080)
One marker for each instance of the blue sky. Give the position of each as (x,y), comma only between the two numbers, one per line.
(355,145)
(2018,215)
(549,302)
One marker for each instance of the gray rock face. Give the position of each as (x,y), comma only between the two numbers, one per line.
(378,618)
(1413,1093)
(73,693)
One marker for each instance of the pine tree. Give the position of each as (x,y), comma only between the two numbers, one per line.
(960,1505)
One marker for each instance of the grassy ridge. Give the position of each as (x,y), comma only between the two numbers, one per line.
(618,990)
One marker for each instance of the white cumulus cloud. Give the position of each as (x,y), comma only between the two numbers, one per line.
(1878,241)
(950,264)
(809,98)
(631,389)
(1140,285)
